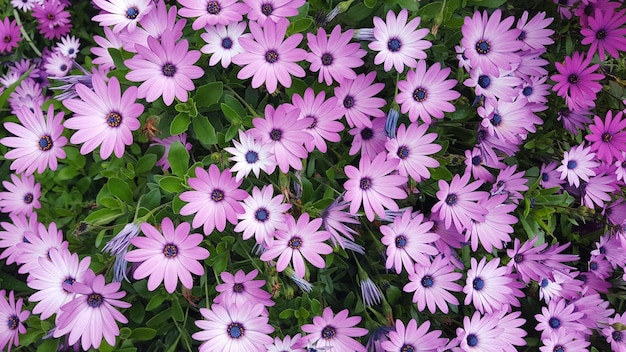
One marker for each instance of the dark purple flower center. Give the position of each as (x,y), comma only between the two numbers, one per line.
(213,7)
(70,280)
(478,284)
(407,348)
(527,91)
(367,133)
(328,332)
(114,119)
(170,250)
(28,198)
(522,35)
(227,43)
(267,9)
(571,165)
(261,214)
(617,336)
(238,288)
(276,134)
(217,195)
(601,34)
(559,348)
(50,16)
(71,51)
(476,160)
(427,281)
(593,266)
(451,199)
(554,322)
(132,13)
(582,277)
(403,152)
(589,9)
(235,330)
(544,283)
(295,242)
(348,102)
(472,340)
(607,137)
(420,94)
(518,258)
(482,46)
(602,250)
(252,157)
(95,300)
(314,123)
(401,241)
(45,143)
(7,39)
(365,184)
(168,70)
(327,59)
(573,78)
(496,119)
(63,67)
(484,81)
(545,177)
(394,44)
(14,322)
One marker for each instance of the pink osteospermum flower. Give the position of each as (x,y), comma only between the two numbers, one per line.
(357,101)
(233,328)
(104,117)
(165,68)
(397,42)
(12,319)
(489,286)
(408,241)
(550,177)
(212,12)
(367,141)
(167,257)
(10,34)
(413,338)
(334,56)
(324,114)
(335,332)
(457,202)
(412,146)
(287,344)
(223,42)
(92,315)
(605,33)
(617,338)
(122,14)
(157,21)
(534,32)
(564,341)
(38,141)
(495,231)
(426,94)
(276,11)
(481,334)
(37,245)
(263,214)
(559,316)
(373,186)
(577,82)
(433,284)
(214,199)
(297,241)
(574,121)
(14,233)
(110,40)
(608,138)
(578,164)
(268,58)
(240,288)
(21,196)
(527,259)
(251,155)
(495,88)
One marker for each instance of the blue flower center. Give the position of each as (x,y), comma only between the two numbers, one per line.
(95,300)
(271,56)
(521,36)
(403,152)
(261,214)
(427,281)
(70,280)
(71,51)
(213,7)
(420,94)
(45,143)
(476,160)
(217,195)
(170,250)
(617,336)
(545,176)
(478,284)
(28,198)
(394,44)
(472,340)
(544,283)
(328,332)
(295,243)
(168,70)
(276,134)
(572,164)
(365,183)
(407,348)
(114,119)
(348,102)
(401,241)
(554,323)
(451,199)
(132,13)
(252,157)
(484,81)
(227,43)
(482,46)
(496,119)
(593,266)
(527,91)
(602,250)
(63,67)
(14,322)
(235,330)
(327,59)
(559,348)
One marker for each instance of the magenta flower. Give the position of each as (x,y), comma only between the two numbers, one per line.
(528,260)
(275,11)
(91,315)
(550,177)
(559,316)
(267,58)
(577,81)
(249,155)
(10,34)
(427,93)
(491,44)
(605,33)
(38,142)
(489,286)
(413,338)
(234,328)
(598,190)
(165,67)
(53,20)
(577,164)
(334,56)
(412,146)
(481,334)
(534,33)
(12,319)
(357,101)
(263,214)
(167,257)
(336,332)
(496,229)
(397,42)
(214,199)
(284,134)
(608,138)
(457,202)
(104,117)
(373,186)
(21,196)
(223,42)
(433,284)
(295,242)
(241,288)
(15,233)
(574,121)
(122,14)
(212,12)
(408,241)
(617,338)
(324,113)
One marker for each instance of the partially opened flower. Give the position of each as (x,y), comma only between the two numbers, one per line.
(334,56)
(167,257)
(122,14)
(287,344)
(335,332)
(12,319)
(550,176)
(21,196)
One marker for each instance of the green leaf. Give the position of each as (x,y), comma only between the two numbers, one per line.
(145,164)
(143,334)
(204,131)
(178,158)
(121,190)
(230,114)
(177,310)
(103,216)
(48,345)
(118,58)
(171,184)
(486,3)
(410,5)
(137,312)
(208,94)
(303,11)
(287,313)
(180,123)
(9,282)
(155,301)
(158,320)
(370,3)
(299,26)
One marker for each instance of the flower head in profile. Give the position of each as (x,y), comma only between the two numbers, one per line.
(214,199)
(122,14)
(10,34)
(167,144)
(12,319)
(21,196)
(397,42)
(169,256)
(578,164)
(336,220)
(263,214)
(209,13)
(335,331)
(240,288)
(577,82)
(608,138)
(223,42)
(101,51)
(413,338)
(433,284)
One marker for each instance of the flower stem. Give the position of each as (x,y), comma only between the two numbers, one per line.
(23,31)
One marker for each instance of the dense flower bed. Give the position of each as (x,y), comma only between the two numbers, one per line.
(269,175)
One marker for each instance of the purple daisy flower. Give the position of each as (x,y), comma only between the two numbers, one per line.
(427,93)
(21,196)
(477,165)
(104,117)
(324,113)
(373,186)
(110,40)
(550,177)
(12,319)
(559,316)
(10,34)
(37,245)
(268,58)
(397,42)
(510,183)
(489,286)
(495,88)
(53,20)
(157,21)
(28,94)
(587,9)
(335,332)
(577,164)
(212,12)
(457,202)
(122,14)
(38,142)
(574,121)
(598,190)
(91,315)
(334,56)
(481,334)
(513,333)
(15,233)
(167,257)
(240,288)
(369,141)
(412,146)
(223,42)
(496,229)
(214,199)
(577,81)
(287,344)
(357,101)
(165,67)
(275,11)
(491,44)
(297,241)
(413,338)
(605,33)
(617,338)
(263,214)
(249,155)
(564,341)
(528,260)
(534,33)
(608,138)
(433,284)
